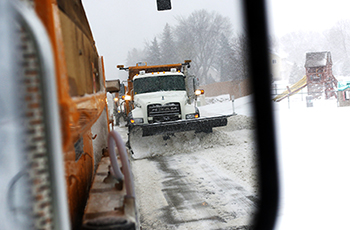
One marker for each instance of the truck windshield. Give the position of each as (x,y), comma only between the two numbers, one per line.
(159,83)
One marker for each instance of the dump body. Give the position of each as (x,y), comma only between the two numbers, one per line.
(63,110)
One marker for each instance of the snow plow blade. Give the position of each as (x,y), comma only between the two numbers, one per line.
(204,124)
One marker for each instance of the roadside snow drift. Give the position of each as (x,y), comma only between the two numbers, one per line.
(187,142)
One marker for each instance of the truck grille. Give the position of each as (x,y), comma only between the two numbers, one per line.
(163,113)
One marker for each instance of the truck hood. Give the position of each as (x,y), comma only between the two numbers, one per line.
(162,97)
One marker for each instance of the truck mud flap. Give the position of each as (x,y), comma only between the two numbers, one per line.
(199,124)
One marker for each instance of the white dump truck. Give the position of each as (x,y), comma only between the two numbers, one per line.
(161,100)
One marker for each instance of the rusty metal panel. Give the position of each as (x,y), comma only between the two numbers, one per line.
(75,12)
(81,58)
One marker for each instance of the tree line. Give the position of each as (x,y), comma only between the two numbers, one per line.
(204,37)
(295,45)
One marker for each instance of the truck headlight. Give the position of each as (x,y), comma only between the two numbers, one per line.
(199,92)
(192,116)
(136,120)
(126,97)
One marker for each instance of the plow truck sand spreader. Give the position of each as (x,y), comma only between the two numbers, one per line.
(161,100)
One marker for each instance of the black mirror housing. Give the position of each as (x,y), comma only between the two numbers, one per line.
(163,5)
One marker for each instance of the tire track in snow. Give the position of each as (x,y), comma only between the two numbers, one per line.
(201,196)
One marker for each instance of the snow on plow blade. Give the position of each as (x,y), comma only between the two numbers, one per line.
(200,125)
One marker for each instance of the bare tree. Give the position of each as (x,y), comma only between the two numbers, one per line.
(198,39)
(297,44)
(338,42)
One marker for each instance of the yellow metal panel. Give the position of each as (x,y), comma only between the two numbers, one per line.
(292,89)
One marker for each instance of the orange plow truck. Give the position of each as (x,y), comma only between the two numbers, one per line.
(56,110)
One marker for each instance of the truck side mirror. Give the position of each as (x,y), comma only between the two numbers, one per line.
(163,5)
(113,86)
(190,86)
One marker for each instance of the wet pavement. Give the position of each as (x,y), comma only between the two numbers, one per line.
(196,195)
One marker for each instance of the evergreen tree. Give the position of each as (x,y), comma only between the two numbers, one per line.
(296,73)
(134,56)
(240,61)
(225,61)
(153,53)
(167,47)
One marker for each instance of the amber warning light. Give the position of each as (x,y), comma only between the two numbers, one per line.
(199,92)
(126,97)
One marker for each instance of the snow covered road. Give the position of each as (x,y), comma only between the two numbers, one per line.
(198,181)
(195,194)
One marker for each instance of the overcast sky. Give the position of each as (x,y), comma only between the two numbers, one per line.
(317,15)
(120,25)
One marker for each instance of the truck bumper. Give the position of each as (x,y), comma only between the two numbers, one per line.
(204,124)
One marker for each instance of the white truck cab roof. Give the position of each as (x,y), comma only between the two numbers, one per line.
(143,74)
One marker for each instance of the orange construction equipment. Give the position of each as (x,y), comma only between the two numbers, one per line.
(80,120)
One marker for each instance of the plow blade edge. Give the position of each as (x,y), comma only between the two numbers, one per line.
(200,124)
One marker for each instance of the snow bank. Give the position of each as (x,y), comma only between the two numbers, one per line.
(239,160)
(212,165)
(187,142)
(238,122)
(231,148)
(218,99)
